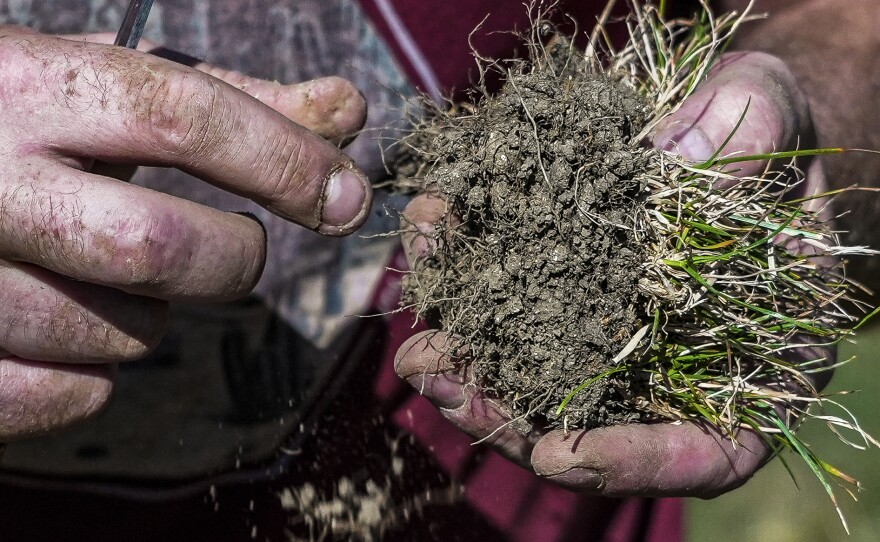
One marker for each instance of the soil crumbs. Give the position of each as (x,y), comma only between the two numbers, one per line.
(541,275)
(367,506)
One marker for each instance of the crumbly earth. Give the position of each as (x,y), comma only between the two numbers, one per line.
(540,277)
(359,510)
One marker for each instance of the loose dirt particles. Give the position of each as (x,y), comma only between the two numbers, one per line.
(541,276)
(355,478)
(363,510)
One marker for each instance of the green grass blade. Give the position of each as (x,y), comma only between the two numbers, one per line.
(813,463)
(586,384)
(774,156)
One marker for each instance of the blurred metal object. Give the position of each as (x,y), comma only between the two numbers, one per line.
(133,25)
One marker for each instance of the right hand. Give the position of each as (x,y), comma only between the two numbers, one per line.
(88,263)
(660,459)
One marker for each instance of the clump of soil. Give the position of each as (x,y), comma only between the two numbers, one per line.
(594,281)
(541,275)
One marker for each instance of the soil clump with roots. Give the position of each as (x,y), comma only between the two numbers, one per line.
(589,280)
(541,275)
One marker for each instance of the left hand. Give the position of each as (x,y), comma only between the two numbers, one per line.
(88,264)
(687,459)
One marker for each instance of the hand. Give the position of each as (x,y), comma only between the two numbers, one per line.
(658,459)
(89,263)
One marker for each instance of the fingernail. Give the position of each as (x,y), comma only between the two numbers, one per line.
(583,479)
(444,390)
(345,200)
(693,144)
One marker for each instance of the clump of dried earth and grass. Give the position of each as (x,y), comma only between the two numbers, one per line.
(542,276)
(595,281)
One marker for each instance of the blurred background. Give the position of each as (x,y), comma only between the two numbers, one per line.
(771,507)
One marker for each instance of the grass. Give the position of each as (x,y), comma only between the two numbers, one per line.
(740,280)
(800,513)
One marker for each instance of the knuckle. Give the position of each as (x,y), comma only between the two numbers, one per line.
(167,253)
(288,177)
(183,115)
(40,225)
(146,248)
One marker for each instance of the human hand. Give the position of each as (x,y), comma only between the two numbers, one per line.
(657,459)
(88,264)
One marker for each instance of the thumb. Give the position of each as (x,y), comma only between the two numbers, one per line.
(755,88)
(654,460)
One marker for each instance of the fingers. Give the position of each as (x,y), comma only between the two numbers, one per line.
(36,397)
(123,106)
(422,361)
(69,103)
(660,459)
(753,87)
(419,222)
(52,318)
(331,107)
(105,232)
(654,460)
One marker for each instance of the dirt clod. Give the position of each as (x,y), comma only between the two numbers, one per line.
(541,276)
(593,281)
